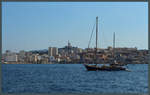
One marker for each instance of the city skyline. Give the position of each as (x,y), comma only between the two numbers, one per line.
(35,26)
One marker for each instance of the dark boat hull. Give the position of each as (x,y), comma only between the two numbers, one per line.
(104,68)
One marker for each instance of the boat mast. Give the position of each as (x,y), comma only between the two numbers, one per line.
(114,45)
(114,41)
(96,38)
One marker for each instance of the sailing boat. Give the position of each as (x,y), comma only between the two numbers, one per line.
(114,66)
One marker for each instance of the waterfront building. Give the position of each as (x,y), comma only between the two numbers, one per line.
(52,51)
(21,56)
(79,50)
(36,57)
(22,53)
(43,59)
(51,58)
(11,57)
(33,58)
(39,58)
(55,51)
(61,51)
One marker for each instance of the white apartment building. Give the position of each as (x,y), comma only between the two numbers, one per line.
(11,57)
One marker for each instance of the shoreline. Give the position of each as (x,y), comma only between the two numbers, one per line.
(65,63)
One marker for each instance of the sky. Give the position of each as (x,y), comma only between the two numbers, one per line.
(39,25)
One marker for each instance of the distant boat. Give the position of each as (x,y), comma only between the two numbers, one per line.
(114,66)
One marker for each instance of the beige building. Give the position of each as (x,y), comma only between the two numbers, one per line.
(52,51)
(33,58)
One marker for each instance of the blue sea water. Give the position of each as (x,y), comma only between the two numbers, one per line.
(72,78)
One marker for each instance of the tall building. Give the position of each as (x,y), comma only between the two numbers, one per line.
(52,51)
(55,51)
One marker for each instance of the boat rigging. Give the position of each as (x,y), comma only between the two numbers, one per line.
(113,66)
